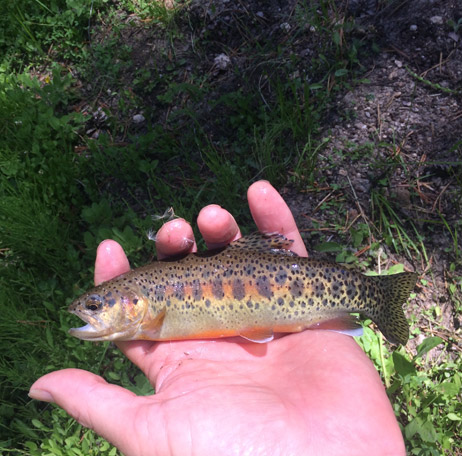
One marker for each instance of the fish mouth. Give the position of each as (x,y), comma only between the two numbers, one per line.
(90,331)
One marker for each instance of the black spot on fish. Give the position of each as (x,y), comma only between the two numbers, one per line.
(319,290)
(111,302)
(238,289)
(207,303)
(217,289)
(280,301)
(206,274)
(135,301)
(264,287)
(196,290)
(296,288)
(159,292)
(281,277)
(179,291)
(249,269)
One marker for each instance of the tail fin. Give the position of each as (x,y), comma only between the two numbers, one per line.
(389,317)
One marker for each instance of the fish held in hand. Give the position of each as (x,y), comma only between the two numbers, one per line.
(252,288)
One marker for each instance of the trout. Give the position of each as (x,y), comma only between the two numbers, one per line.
(252,288)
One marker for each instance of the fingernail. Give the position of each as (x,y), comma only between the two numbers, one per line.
(41,395)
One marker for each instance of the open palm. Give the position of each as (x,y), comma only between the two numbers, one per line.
(309,393)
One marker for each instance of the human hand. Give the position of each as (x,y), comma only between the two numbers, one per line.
(313,392)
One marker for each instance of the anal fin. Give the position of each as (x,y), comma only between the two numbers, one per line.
(345,324)
(258,335)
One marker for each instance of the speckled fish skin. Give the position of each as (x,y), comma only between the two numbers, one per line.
(253,288)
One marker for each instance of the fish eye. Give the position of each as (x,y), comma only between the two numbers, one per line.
(94,303)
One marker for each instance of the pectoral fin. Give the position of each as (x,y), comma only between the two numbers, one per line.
(259,335)
(151,328)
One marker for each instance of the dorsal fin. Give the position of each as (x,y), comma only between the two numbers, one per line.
(268,242)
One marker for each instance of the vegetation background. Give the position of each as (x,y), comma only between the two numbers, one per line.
(112,111)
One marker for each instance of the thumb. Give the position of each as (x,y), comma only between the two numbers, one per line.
(109,410)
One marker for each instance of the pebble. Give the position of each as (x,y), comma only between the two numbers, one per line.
(138,118)
(413,28)
(436,20)
(221,61)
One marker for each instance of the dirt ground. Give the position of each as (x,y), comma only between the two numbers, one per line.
(405,119)
(397,132)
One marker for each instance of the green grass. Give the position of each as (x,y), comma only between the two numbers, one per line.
(75,169)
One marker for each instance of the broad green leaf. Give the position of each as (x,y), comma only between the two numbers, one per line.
(402,365)
(341,72)
(328,247)
(427,432)
(395,269)
(412,428)
(427,345)
(448,388)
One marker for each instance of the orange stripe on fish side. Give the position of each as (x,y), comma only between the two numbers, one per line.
(211,334)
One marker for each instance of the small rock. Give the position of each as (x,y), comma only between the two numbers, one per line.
(402,195)
(138,118)
(398,63)
(221,61)
(436,20)
(285,26)
(99,115)
(413,28)
(260,14)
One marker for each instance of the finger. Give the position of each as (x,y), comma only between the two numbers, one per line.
(272,215)
(217,226)
(109,410)
(175,237)
(111,261)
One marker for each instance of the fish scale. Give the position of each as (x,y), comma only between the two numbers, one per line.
(253,288)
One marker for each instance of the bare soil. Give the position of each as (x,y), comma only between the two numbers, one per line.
(396,133)
(414,130)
